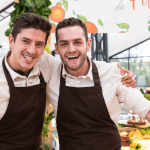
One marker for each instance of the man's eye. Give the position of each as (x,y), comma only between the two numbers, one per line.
(25,41)
(64,44)
(39,45)
(78,43)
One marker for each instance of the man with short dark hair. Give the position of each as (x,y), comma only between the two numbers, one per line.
(23,84)
(23,77)
(85,94)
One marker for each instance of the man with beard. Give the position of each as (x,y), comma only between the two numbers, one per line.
(85,94)
(23,77)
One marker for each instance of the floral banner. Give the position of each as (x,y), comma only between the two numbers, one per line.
(104,16)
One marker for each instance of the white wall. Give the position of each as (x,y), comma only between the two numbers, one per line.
(120,41)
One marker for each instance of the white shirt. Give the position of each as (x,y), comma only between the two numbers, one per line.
(112,89)
(110,78)
(44,65)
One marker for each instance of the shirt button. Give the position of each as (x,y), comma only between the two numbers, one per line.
(78,82)
(66,146)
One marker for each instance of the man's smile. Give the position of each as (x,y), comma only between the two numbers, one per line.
(73,57)
(27,57)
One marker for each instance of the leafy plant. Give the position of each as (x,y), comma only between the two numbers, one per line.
(39,7)
(47,118)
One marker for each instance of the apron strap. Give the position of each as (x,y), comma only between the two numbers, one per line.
(95,74)
(62,82)
(7,75)
(42,81)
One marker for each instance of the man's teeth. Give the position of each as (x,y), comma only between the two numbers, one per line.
(70,57)
(27,57)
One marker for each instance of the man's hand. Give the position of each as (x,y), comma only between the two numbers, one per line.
(129,79)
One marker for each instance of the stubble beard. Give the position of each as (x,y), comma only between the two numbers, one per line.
(84,57)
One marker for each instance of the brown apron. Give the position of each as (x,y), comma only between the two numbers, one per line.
(83,121)
(21,125)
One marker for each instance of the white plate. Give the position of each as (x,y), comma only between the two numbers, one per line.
(140,126)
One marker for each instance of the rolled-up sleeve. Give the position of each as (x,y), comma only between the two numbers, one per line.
(133,99)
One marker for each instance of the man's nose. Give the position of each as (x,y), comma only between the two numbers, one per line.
(72,47)
(31,49)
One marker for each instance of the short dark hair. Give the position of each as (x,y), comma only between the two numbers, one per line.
(31,20)
(71,22)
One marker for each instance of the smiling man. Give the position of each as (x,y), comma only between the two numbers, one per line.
(24,74)
(23,84)
(85,94)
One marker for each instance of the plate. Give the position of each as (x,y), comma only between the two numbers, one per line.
(140,126)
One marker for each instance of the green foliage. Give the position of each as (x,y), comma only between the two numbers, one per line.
(39,7)
(121,125)
(142,91)
(147,96)
(138,147)
(145,131)
(47,119)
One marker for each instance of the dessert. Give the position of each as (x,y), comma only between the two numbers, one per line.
(148,90)
(125,139)
(137,121)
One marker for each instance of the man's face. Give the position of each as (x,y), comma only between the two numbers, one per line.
(27,49)
(72,47)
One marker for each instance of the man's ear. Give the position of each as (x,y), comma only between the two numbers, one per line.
(89,44)
(56,48)
(11,41)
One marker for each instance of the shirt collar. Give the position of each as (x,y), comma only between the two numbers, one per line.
(14,75)
(89,74)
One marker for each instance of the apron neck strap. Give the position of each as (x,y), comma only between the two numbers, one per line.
(7,75)
(95,74)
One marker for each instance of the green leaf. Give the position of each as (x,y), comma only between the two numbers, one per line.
(43,12)
(74,13)
(13,15)
(149,28)
(37,12)
(22,12)
(83,18)
(121,125)
(46,146)
(100,22)
(65,3)
(123,25)
(22,1)
(17,6)
(33,4)
(45,17)
(149,22)
(40,3)
(47,11)
(8,32)
(48,3)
